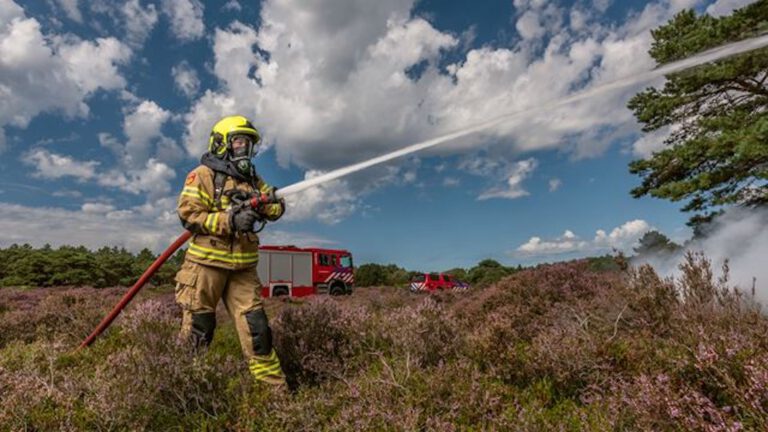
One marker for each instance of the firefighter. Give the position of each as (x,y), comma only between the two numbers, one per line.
(223,252)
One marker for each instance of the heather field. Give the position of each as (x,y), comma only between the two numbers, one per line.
(566,346)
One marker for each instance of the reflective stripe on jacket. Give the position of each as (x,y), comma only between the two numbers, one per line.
(213,242)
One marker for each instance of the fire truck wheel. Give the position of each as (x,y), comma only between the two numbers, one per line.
(279,291)
(337,288)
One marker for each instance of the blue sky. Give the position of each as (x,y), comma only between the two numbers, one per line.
(107,106)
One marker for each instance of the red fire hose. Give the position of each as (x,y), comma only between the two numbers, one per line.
(136,288)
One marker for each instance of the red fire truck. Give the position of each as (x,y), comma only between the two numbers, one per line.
(298,272)
(431,282)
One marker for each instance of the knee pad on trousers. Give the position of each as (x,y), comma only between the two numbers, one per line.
(203,325)
(261,334)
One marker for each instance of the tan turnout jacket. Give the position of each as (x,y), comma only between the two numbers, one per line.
(214,242)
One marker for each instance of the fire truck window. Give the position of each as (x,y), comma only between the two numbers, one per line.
(434,277)
(446,278)
(418,278)
(346,261)
(323,260)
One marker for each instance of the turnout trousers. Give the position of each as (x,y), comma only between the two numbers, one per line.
(199,289)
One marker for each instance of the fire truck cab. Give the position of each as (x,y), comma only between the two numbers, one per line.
(298,272)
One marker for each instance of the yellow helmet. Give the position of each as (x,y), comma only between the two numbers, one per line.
(228,127)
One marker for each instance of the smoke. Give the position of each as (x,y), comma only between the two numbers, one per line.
(739,236)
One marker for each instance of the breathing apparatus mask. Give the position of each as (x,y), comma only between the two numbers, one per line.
(240,149)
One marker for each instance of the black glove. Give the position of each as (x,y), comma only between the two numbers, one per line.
(244,219)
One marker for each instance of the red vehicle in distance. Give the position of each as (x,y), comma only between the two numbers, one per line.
(431,282)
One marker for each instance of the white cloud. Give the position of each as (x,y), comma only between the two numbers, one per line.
(71,9)
(306,94)
(650,142)
(90,226)
(49,73)
(67,193)
(142,125)
(154,179)
(320,58)
(232,5)
(568,242)
(451,182)
(95,207)
(135,19)
(579,19)
(623,238)
(186,18)
(554,184)
(330,202)
(300,239)
(512,174)
(602,5)
(333,88)
(528,25)
(185,78)
(725,7)
(93,65)
(110,142)
(138,21)
(53,166)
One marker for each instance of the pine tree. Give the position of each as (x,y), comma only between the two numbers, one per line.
(717,152)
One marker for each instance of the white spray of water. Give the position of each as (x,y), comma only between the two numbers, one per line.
(705,57)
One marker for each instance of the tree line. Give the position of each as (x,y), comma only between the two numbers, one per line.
(485,273)
(24,265)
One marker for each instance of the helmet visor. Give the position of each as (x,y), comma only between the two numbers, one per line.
(242,146)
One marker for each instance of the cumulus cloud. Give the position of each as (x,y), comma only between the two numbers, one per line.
(186,18)
(153,178)
(624,238)
(50,73)
(568,242)
(334,84)
(142,125)
(185,78)
(134,18)
(528,25)
(554,184)
(330,202)
(53,166)
(321,58)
